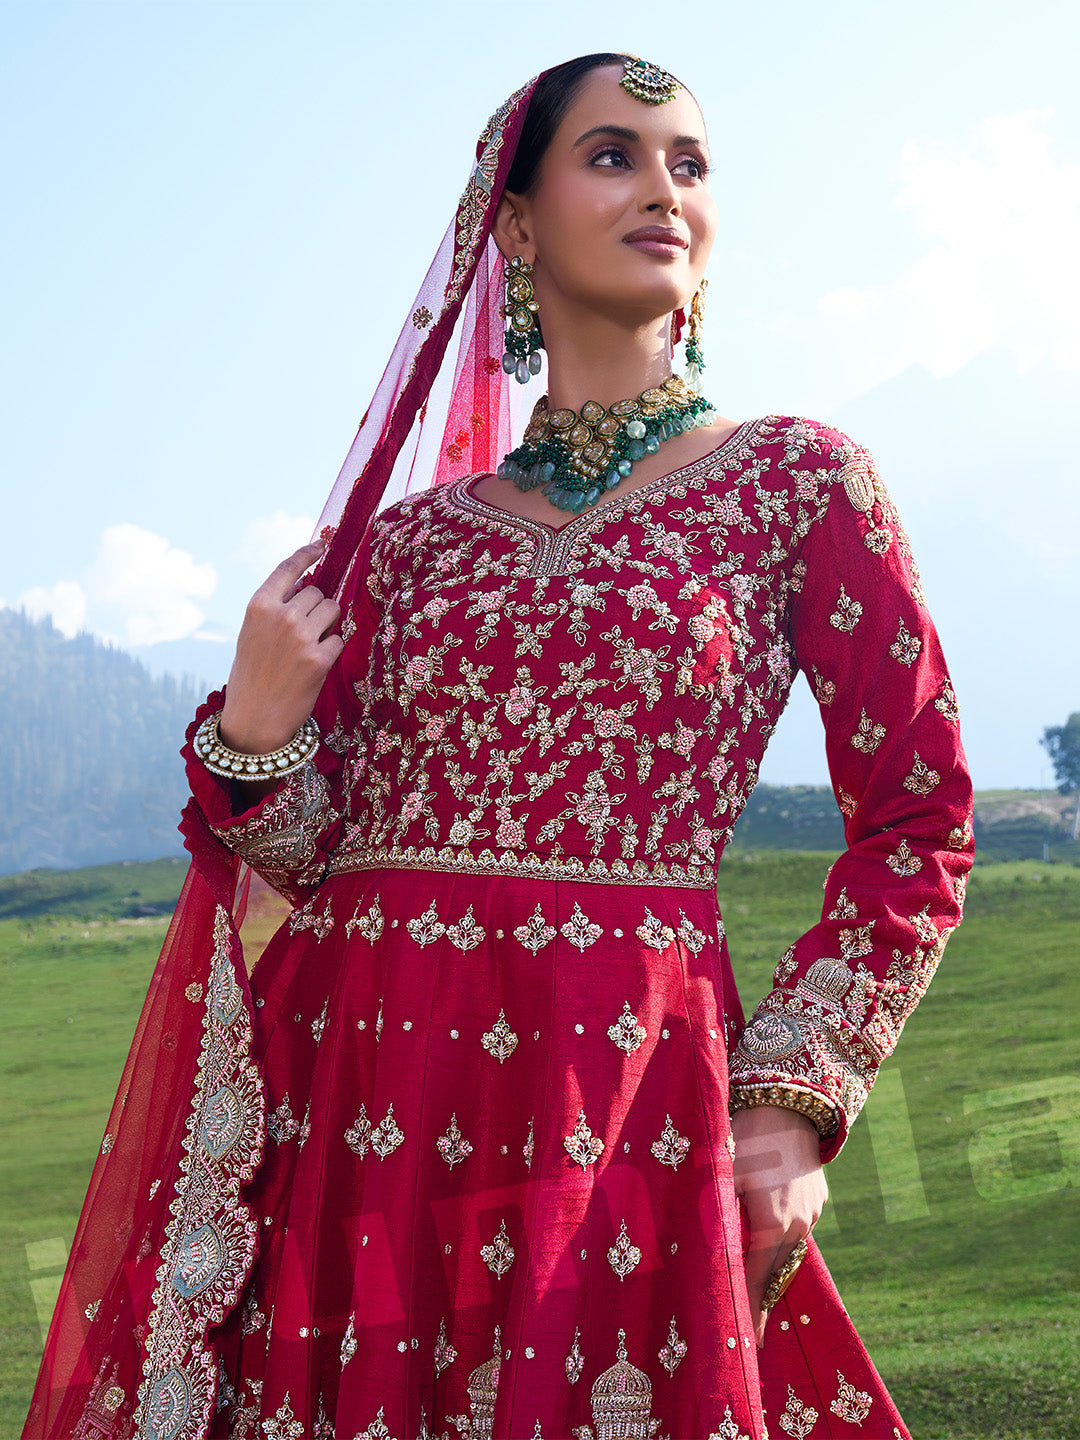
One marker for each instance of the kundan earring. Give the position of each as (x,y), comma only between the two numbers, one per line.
(695,359)
(523,338)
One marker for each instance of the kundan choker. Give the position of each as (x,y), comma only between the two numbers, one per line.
(574,457)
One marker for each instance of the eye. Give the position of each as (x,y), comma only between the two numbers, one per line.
(692,166)
(610,157)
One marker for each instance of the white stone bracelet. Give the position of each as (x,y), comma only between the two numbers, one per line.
(235,765)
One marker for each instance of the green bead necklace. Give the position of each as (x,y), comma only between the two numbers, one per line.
(573,457)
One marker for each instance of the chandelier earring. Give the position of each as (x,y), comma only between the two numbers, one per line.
(695,358)
(523,338)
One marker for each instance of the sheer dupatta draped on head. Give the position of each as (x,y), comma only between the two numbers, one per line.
(165,1242)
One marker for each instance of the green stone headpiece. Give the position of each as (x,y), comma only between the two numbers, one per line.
(648,82)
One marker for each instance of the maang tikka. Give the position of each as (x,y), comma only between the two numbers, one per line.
(523,338)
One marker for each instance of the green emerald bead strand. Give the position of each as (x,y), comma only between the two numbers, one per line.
(574,475)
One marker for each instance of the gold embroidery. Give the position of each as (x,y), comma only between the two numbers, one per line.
(535,933)
(445,1354)
(652,933)
(527,1148)
(370,925)
(623,1257)
(902,861)
(575,1360)
(468,933)
(500,1041)
(453,1147)
(499,1255)
(428,928)
(921,779)
(583,1147)
(672,1148)
(850,1404)
(906,647)
(348,1343)
(386,1136)
(673,1350)
(358,1135)
(626,1033)
(847,613)
(580,930)
(483,1391)
(869,736)
(798,1419)
(621,1402)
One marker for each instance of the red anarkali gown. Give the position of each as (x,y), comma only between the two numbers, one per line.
(498,1029)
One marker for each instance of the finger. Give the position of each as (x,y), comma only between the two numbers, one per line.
(761,1265)
(282,579)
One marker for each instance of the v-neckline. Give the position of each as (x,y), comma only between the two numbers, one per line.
(463,488)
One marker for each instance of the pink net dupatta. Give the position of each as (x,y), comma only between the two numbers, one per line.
(165,1242)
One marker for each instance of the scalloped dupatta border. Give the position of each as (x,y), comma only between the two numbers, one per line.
(211,1239)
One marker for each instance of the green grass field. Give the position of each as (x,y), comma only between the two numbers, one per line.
(952,1230)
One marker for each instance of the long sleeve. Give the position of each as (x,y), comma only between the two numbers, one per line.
(289,836)
(862,636)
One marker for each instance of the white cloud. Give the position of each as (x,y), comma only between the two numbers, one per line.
(64,602)
(272,538)
(146,588)
(1000,215)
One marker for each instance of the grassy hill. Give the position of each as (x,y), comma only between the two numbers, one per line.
(951,1230)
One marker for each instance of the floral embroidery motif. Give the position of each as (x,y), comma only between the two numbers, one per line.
(318,1025)
(348,1343)
(468,933)
(623,1256)
(626,1033)
(902,861)
(305,919)
(583,1147)
(535,933)
(906,647)
(453,1147)
(652,933)
(824,690)
(428,928)
(672,1148)
(284,1425)
(499,1255)
(798,1419)
(575,1360)
(281,1123)
(386,1136)
(580,930)
(847,614)
(850,1404)
(377,1430)
(527,1148)
(729,1430)
(445,1354)
(500,1041)
(369,925)
(946,704)
(921,779)
(869,736)
(358,1135)
(691,937)
(673,1351)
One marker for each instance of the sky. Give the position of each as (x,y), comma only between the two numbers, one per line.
(216,214)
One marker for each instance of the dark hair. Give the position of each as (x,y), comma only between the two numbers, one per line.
(551,99)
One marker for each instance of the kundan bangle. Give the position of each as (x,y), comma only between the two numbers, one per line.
(235,765)
(806,1102)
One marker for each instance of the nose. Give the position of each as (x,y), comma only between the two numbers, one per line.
(660,195)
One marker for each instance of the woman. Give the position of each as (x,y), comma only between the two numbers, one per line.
(458,1161)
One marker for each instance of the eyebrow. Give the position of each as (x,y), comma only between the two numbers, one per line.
(632,136)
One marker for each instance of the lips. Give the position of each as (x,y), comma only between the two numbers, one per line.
(656,240)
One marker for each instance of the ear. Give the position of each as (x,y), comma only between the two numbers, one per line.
(511,229)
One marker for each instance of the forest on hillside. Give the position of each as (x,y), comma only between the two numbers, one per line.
(90,769)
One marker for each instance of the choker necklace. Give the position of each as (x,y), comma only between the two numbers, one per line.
(574,457)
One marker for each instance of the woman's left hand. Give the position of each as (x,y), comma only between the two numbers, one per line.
(779,1178)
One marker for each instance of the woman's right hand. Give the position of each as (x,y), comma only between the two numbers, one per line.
(283,653)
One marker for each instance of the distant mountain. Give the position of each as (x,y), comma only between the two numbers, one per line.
(89,764)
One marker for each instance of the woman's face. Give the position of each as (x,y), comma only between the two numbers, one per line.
(622,219)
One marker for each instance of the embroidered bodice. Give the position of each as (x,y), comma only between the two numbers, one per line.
(593,702)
